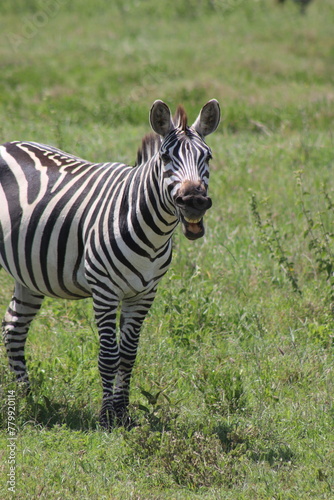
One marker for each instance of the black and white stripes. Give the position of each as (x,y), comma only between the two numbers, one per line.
(72,229)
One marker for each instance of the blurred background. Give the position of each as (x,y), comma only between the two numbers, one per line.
(81,72)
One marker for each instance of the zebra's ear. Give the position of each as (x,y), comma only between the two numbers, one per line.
(161,118)
(208,119)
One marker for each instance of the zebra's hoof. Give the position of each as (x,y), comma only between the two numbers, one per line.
(124,420)
(107,419)
(24,386)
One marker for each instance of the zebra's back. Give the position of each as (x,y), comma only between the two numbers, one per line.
(48,202)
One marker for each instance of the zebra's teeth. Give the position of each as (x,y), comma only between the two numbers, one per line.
(192,221)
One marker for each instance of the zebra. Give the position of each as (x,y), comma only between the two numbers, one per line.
(303,4)
(72,229)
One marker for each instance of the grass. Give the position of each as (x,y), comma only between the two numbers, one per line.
(233,384)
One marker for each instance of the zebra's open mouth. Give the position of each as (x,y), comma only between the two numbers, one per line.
(192,228)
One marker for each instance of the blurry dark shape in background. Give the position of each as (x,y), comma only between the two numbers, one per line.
(303,4)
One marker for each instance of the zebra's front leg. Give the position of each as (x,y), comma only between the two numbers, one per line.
(132,317)
(108,363)
(21,311)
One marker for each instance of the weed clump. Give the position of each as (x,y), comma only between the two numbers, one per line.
(192,458)
(272,240)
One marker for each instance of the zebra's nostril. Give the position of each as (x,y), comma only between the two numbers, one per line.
(200,201)
(180,201)
(208,203)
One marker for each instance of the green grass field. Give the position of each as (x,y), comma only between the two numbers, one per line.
(233,384)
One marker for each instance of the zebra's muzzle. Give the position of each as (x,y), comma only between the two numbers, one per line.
(191,211)
(192,203)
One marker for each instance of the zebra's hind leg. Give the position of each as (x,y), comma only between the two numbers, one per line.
(15,325)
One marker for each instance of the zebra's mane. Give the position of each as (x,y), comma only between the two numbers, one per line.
(149,147)
(180,118)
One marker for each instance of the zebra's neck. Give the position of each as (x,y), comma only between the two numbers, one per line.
(145,211)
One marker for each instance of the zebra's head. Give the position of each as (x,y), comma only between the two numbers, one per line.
(185,160)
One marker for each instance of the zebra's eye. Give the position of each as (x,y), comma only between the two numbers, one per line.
(165,157)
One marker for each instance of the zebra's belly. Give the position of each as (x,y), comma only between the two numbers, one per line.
(43,263)
(51,282)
